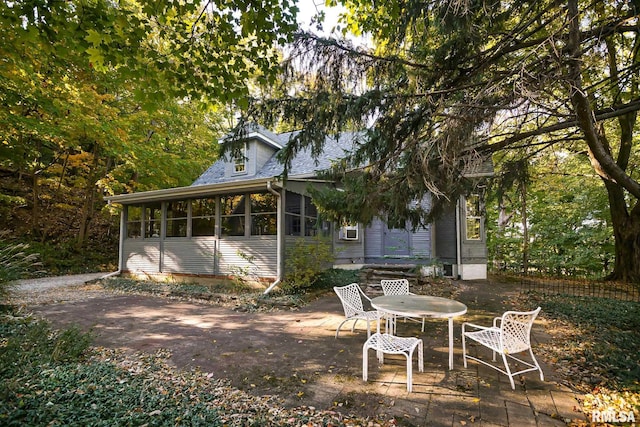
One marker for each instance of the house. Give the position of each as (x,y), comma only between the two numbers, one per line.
(239,217)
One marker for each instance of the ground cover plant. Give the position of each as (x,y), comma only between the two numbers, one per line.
(595,348)
(52,377)
(234,294)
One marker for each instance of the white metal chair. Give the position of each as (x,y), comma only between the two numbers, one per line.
(398,287)
(391,344)
(509,335)
(352,299)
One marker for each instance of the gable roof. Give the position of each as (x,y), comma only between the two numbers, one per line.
(302,165)
(213,180)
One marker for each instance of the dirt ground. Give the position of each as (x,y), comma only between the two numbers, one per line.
(293,354)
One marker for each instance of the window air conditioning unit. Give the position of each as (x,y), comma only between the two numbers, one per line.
(349,232)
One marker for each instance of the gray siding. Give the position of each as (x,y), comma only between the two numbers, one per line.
(421,243)
(349,252)
(373,236)
(262,153)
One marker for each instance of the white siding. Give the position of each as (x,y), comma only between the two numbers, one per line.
(191,256)
(142,255)
(256,254)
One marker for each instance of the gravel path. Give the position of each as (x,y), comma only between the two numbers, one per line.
(48,290)
(45,283)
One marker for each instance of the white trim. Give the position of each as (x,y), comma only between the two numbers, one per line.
(190,191)
(473,271)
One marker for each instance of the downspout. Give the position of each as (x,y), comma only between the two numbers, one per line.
(279,246)
(458,244)
(120,248)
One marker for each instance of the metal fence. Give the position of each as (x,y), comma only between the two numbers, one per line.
(581,287)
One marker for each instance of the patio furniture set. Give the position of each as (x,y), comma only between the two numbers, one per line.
(510,333)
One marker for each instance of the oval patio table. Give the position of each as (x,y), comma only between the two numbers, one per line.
(422,306)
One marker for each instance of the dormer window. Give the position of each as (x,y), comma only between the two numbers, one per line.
(240,161)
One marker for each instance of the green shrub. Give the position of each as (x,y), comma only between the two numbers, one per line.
(336,277)
(305,260)
(609,339)
(28,344)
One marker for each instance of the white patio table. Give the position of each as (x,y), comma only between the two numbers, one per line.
(422,306)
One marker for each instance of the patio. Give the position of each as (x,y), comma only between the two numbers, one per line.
(294,355)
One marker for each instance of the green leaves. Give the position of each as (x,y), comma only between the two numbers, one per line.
(208,50)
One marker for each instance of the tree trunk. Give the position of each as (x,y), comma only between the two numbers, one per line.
(525,228)
(88,207)
(625,221)
(35,210)
(626,231)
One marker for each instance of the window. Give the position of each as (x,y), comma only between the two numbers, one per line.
(293,214)
(152,219)
(395,223)
(263,214)
(310,217)
(203,217)
(240,161)
(232,210)
(473,217)
(177,218)
(134,222)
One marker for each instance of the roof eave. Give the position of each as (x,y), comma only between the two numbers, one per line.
(260,136)
(189,192)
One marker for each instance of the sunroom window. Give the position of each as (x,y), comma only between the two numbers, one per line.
(233,219)
(293,214)
(203,217)
(311,224)
(263,214)
(177,212)
(134,222)
(152,220)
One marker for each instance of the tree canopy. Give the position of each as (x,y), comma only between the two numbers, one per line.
(448,84)
(207,50)
(98,97)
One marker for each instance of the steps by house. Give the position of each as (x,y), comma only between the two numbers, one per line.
(371,275)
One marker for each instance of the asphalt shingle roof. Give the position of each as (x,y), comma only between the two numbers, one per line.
(303,164)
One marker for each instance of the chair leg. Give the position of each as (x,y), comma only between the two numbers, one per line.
(535,362)
(506,365)
(340,326)
(365,362)
(464,349)
(409,356)
(420,357)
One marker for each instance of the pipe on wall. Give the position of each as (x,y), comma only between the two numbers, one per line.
(279,246)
